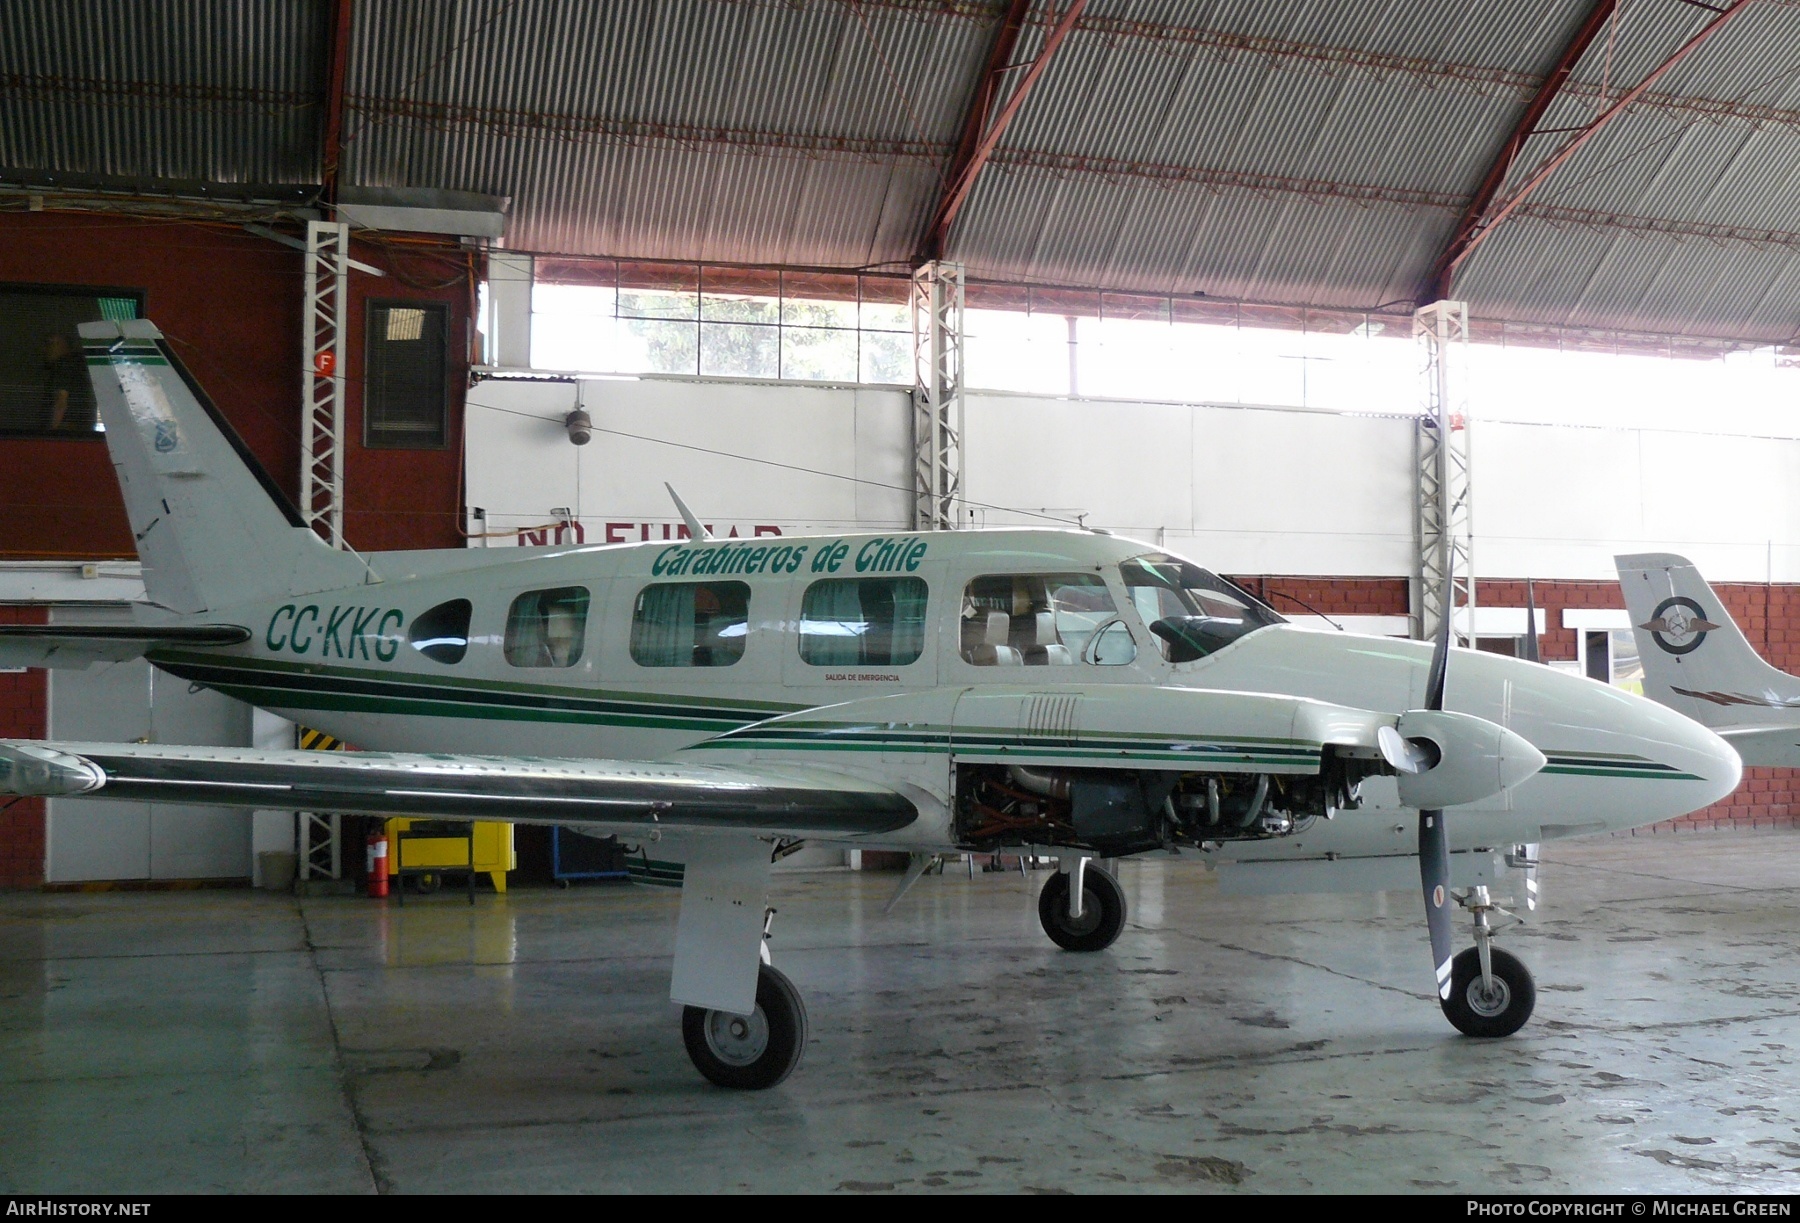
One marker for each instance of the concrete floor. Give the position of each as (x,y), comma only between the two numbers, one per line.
(243,1042)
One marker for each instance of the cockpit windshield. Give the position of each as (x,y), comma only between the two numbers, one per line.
(1191,612)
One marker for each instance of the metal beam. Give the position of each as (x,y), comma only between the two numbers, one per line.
(1438,287)
(322,405)
(937,317)
(1498,213)
(331,142)
(981,107)
(960,183)
(1443,531)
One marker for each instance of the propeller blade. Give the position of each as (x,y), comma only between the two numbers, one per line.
(1532,653)
(1434,874)
(1402,753)
(1440,660)
(1434,839)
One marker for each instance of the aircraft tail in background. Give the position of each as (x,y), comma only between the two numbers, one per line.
(212,529)
(1697,661)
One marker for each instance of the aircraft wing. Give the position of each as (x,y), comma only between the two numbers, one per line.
(611,795)
(78,646)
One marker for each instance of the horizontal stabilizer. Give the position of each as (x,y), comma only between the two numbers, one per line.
(1769,746)
(610,795)
(78,646)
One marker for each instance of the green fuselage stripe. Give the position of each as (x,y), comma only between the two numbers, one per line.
(743,725)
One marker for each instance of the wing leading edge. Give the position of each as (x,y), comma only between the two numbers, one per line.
(608,793)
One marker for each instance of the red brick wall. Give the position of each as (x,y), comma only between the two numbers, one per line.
(230,304)
(24,714)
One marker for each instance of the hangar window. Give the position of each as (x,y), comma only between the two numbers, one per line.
(863,622)
(545,628)
(442,634)
(690,624)
(44,387)
(406,391)
(1191,612)
(1042,619)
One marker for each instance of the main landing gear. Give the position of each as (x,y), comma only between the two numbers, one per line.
(1082,908)
(754,1051)
(1491,992)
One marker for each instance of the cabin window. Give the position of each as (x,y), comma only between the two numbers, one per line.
(863,622)
(1191,612)
(406,393)
(546,628)
(44,385)
(442,634)
(1043,620)
(690,624)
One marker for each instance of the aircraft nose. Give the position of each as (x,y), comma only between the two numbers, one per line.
(1617,758)
(1713,761)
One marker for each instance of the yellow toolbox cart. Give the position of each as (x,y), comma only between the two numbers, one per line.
(425,849)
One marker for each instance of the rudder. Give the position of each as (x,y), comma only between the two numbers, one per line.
(211,528)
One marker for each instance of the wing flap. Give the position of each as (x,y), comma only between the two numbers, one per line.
(77,646)
(604,793)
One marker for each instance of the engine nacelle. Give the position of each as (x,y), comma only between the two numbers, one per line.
(1476,758)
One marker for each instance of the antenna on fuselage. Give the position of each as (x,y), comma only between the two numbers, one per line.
(687,515)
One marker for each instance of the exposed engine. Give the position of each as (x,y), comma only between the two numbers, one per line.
(1124,811)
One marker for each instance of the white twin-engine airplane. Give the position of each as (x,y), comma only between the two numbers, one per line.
(1063,693)
(1697,662)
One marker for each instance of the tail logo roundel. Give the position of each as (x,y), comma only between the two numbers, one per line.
(1679,625)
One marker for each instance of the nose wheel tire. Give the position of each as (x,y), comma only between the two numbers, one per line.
(1478,1011)
(1102,911)
(754,1051)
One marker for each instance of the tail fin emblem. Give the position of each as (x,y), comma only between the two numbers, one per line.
(166,437)
(1679,625)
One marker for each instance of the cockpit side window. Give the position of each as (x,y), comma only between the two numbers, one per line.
(1043,620)
(545,628)
(1191,612)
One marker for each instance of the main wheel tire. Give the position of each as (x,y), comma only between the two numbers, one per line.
(1102,911)
(1474,1011)
(754,1051)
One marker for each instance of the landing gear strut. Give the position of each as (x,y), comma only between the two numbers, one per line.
(1095,922)
(1491,992)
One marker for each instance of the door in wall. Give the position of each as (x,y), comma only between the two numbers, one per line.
(100,840)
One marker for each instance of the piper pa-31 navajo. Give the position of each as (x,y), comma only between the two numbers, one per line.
(1062,693)
(1697,662)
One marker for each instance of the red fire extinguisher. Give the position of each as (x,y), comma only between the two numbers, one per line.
(378,863)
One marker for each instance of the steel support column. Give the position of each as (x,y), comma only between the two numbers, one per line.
(937,318)
(322,412)
(1444,575)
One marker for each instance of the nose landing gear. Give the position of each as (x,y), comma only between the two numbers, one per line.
(1491,992)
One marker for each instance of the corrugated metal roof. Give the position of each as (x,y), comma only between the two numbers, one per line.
(1318,152)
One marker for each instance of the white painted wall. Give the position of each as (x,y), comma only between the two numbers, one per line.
(1240,489)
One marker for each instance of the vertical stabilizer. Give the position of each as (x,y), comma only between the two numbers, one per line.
(1695,658)
(212,528)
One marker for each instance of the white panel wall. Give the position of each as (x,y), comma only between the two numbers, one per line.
(91,839)
(1559,502)
(831,458)
(1242,490)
